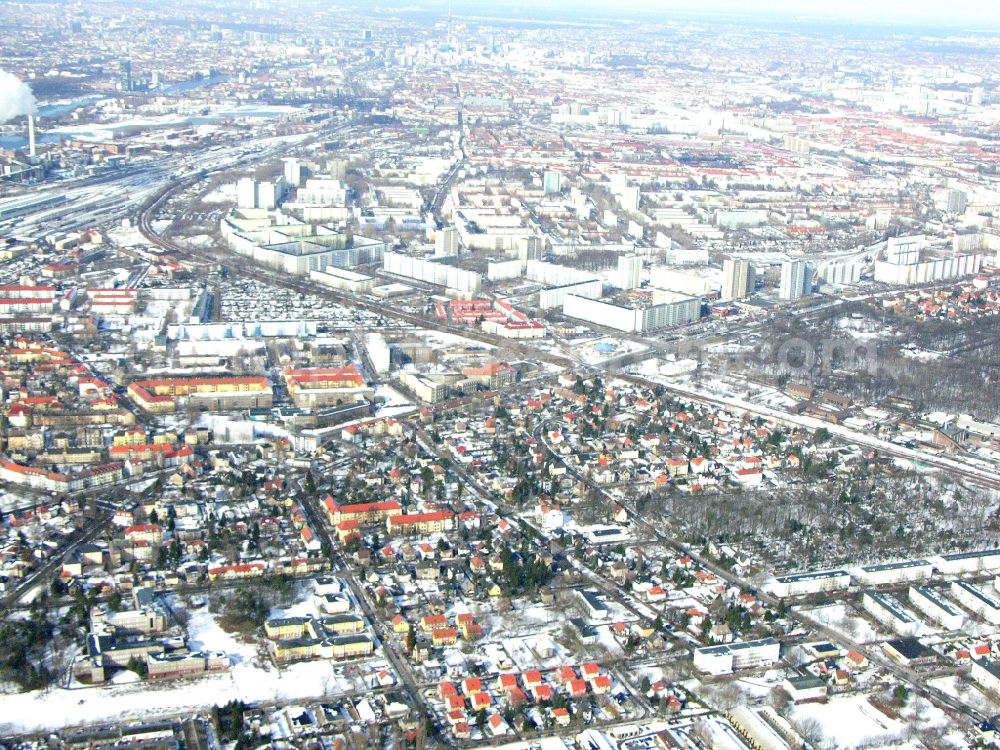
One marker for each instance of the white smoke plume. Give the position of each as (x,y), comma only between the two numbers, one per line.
(16,98)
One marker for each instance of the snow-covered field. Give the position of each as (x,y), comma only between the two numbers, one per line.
(851,722)
(923,355)
(860,328)
(966,692)
(223,194)
(250,678)
(199,241)
(444,340)
(396,404)
(837,617)
(247,681)
(205,634)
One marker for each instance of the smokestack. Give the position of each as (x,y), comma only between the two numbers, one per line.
(31,136)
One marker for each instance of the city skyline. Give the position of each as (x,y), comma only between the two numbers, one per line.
(553,376)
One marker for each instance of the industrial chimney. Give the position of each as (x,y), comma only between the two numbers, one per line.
(31,136)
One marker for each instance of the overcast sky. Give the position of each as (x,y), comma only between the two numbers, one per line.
(969,10)
(974,13)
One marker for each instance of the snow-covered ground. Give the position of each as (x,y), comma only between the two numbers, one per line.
(247,681)
(839,618)
(199,240)
(444,340)
(205,634)
(852,722)
(251,678)
(922,355)
(396,404)
(860,328)
(545,743)
(760,687)
(966,692)
(223,194)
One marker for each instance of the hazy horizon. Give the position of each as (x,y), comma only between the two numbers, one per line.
(959,13)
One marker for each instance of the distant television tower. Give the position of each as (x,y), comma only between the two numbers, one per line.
(448,28)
